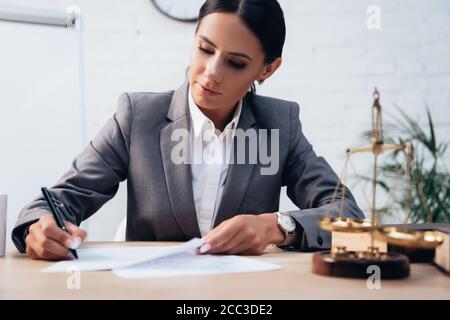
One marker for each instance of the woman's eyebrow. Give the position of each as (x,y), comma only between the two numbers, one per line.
(238,54)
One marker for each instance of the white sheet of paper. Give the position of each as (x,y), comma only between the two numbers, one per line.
(188,263)
(111,258)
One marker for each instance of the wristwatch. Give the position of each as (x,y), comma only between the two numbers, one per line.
(287,224)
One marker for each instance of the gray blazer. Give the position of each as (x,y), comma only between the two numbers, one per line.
(136,145)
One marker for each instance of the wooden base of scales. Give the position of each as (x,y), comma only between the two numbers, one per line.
(350,264)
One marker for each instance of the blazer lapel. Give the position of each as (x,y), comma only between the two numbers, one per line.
(238,177)
(179,176)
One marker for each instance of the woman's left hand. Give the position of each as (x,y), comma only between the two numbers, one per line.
(243,234)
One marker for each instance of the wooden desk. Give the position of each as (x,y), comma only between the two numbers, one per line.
(20,278)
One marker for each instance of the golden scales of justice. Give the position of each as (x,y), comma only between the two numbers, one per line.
(354,264)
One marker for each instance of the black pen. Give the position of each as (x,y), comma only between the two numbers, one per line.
(59,220)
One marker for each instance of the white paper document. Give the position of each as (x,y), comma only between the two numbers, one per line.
(145,262)
(188,263)
(111,258)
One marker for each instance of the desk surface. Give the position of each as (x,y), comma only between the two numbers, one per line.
(20,278)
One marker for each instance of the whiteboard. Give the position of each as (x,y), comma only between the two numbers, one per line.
(41,103)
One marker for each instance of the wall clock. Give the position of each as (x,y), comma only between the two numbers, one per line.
(180,10)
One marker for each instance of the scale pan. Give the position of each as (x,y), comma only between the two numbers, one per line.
(410,238)
(346,224)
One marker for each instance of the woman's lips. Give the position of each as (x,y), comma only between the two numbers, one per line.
(207,92)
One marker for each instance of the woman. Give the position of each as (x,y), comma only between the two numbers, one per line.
(233,205)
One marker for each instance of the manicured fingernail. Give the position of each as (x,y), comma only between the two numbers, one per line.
(73,243)
(204,248)
(77,242)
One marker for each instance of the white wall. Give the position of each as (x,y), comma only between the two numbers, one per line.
(332,61)
(34,151)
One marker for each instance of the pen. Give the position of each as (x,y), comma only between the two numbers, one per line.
(59,220)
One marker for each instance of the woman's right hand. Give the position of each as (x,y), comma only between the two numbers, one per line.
(45,240)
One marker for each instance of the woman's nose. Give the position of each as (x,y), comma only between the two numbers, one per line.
(213,70)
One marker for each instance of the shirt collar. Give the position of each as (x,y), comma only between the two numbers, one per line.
(198,119)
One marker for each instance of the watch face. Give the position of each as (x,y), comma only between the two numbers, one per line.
(181,10)
(287,222)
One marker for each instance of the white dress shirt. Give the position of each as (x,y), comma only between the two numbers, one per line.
(210,154)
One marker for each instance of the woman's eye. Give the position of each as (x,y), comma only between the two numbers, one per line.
(205,50)
(238,66)
(233,64)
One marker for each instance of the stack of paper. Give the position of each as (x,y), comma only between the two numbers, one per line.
(144,262)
